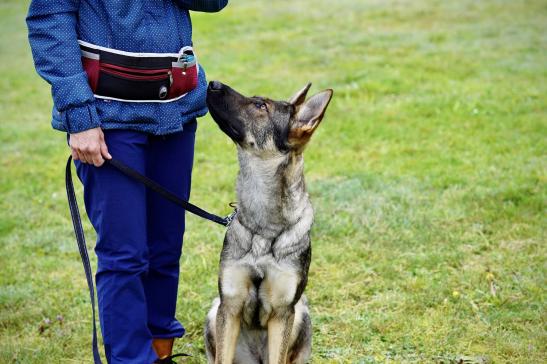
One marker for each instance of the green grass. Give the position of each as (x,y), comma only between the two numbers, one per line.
(428,178)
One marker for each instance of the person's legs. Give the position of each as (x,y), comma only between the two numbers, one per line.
(169,163)
(116,206)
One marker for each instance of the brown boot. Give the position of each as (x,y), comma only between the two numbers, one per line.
(163,347)
(169,359)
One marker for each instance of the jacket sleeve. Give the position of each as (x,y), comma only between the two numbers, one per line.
(53,39)
(209,6)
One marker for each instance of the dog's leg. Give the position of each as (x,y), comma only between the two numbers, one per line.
(300,340)
(227,330)
(279,332)
(210,332)
(277,294)
(235,283)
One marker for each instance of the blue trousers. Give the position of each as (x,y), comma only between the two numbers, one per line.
(139,240)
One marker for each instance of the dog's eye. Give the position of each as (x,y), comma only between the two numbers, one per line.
(261,105)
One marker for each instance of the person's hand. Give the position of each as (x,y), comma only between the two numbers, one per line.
(89,146)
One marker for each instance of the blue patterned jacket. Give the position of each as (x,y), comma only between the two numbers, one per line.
(153,26)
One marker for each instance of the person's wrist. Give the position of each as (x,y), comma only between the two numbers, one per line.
(81,118)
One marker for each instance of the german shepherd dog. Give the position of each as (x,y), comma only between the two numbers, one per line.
(262,315)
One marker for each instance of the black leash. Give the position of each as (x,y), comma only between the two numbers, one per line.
(156,187)
(79,231)
(80,238)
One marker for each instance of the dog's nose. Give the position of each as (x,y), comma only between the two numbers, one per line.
(215,85)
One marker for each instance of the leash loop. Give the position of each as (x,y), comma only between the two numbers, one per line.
(80,239)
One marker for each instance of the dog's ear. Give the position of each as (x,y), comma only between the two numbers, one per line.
(298,98)
(307,118)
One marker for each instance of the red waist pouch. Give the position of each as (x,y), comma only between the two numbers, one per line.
(139,77)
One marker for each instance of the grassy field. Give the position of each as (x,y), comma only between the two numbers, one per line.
(428,176)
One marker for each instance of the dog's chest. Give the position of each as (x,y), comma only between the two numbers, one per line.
(262,266)
(261,249)
(242,243)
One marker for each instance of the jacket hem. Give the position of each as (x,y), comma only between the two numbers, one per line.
(145,128)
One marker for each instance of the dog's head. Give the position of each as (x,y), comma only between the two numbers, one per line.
(263,126)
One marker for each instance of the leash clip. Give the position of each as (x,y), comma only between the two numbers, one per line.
(232,215)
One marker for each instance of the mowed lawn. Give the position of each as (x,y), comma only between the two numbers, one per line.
(428,177)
